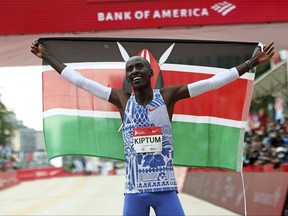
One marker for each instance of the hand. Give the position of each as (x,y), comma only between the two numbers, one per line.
(38,49)
(258,58)
(265,55)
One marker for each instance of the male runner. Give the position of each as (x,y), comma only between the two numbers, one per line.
(146,115)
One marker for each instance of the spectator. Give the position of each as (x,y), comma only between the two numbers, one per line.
(255,148)
(246,156)
(281,154)
(265,156)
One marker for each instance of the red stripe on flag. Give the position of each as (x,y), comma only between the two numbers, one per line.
(59,93)
(226,102)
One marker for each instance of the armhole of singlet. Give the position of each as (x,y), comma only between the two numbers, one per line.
(127,104)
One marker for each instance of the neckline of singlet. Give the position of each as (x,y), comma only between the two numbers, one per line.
(134,98)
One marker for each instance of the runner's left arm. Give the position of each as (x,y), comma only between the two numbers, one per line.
(175,93)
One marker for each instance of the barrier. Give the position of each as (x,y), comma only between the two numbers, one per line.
(265,193)
(41,173)
(250,168)
(8,179)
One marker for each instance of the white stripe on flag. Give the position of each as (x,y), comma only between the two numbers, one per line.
(167,67)
(200,69)
(82,113)
(176,117)
(209,120)
(90,65)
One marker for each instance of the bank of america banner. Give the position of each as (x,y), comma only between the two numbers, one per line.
(99,15)
(208,129)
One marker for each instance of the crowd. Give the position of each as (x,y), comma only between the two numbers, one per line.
(266,142)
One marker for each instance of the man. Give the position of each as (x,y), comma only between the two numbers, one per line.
(147,134)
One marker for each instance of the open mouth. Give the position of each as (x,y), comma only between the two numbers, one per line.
(136,78)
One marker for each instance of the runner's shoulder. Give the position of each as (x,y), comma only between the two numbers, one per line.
(120,94)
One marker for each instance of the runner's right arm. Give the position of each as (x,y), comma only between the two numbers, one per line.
(40,51)
(71,75)
(115,96)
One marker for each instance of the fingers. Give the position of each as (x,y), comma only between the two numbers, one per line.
(271,54)
(35,49)
(269,49)
(34,45)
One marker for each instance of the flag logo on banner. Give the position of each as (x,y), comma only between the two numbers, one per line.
(223,7)
(208,130)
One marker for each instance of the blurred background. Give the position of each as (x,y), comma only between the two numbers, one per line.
(22,146)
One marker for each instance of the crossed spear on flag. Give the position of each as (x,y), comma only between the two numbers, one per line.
(157,79)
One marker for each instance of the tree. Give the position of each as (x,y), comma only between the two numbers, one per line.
(7,126)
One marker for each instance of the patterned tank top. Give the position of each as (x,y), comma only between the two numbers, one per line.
(148,171)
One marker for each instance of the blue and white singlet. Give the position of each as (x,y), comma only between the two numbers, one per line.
(152,171)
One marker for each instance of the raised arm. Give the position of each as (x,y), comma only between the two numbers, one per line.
(40,51)
(260,57)
(115,96)
(228,76)
(172,94)
(71,75)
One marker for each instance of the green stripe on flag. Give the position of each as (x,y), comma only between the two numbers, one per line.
(206,146)
(70,135)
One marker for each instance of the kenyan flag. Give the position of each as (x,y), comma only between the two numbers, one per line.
(208,130)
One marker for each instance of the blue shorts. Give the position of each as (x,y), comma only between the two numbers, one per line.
(163,203)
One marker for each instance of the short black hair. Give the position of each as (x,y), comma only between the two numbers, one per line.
(145,61)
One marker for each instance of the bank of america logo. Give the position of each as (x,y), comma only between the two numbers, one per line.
(223,7)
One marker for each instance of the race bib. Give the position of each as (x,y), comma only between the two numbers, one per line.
(147,139)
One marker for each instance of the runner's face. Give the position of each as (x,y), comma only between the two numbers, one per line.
(138,72)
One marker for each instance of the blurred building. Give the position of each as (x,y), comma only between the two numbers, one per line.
(39,141)
(26,145)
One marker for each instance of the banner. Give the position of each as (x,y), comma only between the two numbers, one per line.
(265,195)
(208,130)
(99,15)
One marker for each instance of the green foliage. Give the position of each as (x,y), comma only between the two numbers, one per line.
(7,127)
(262,68)
(263,102)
